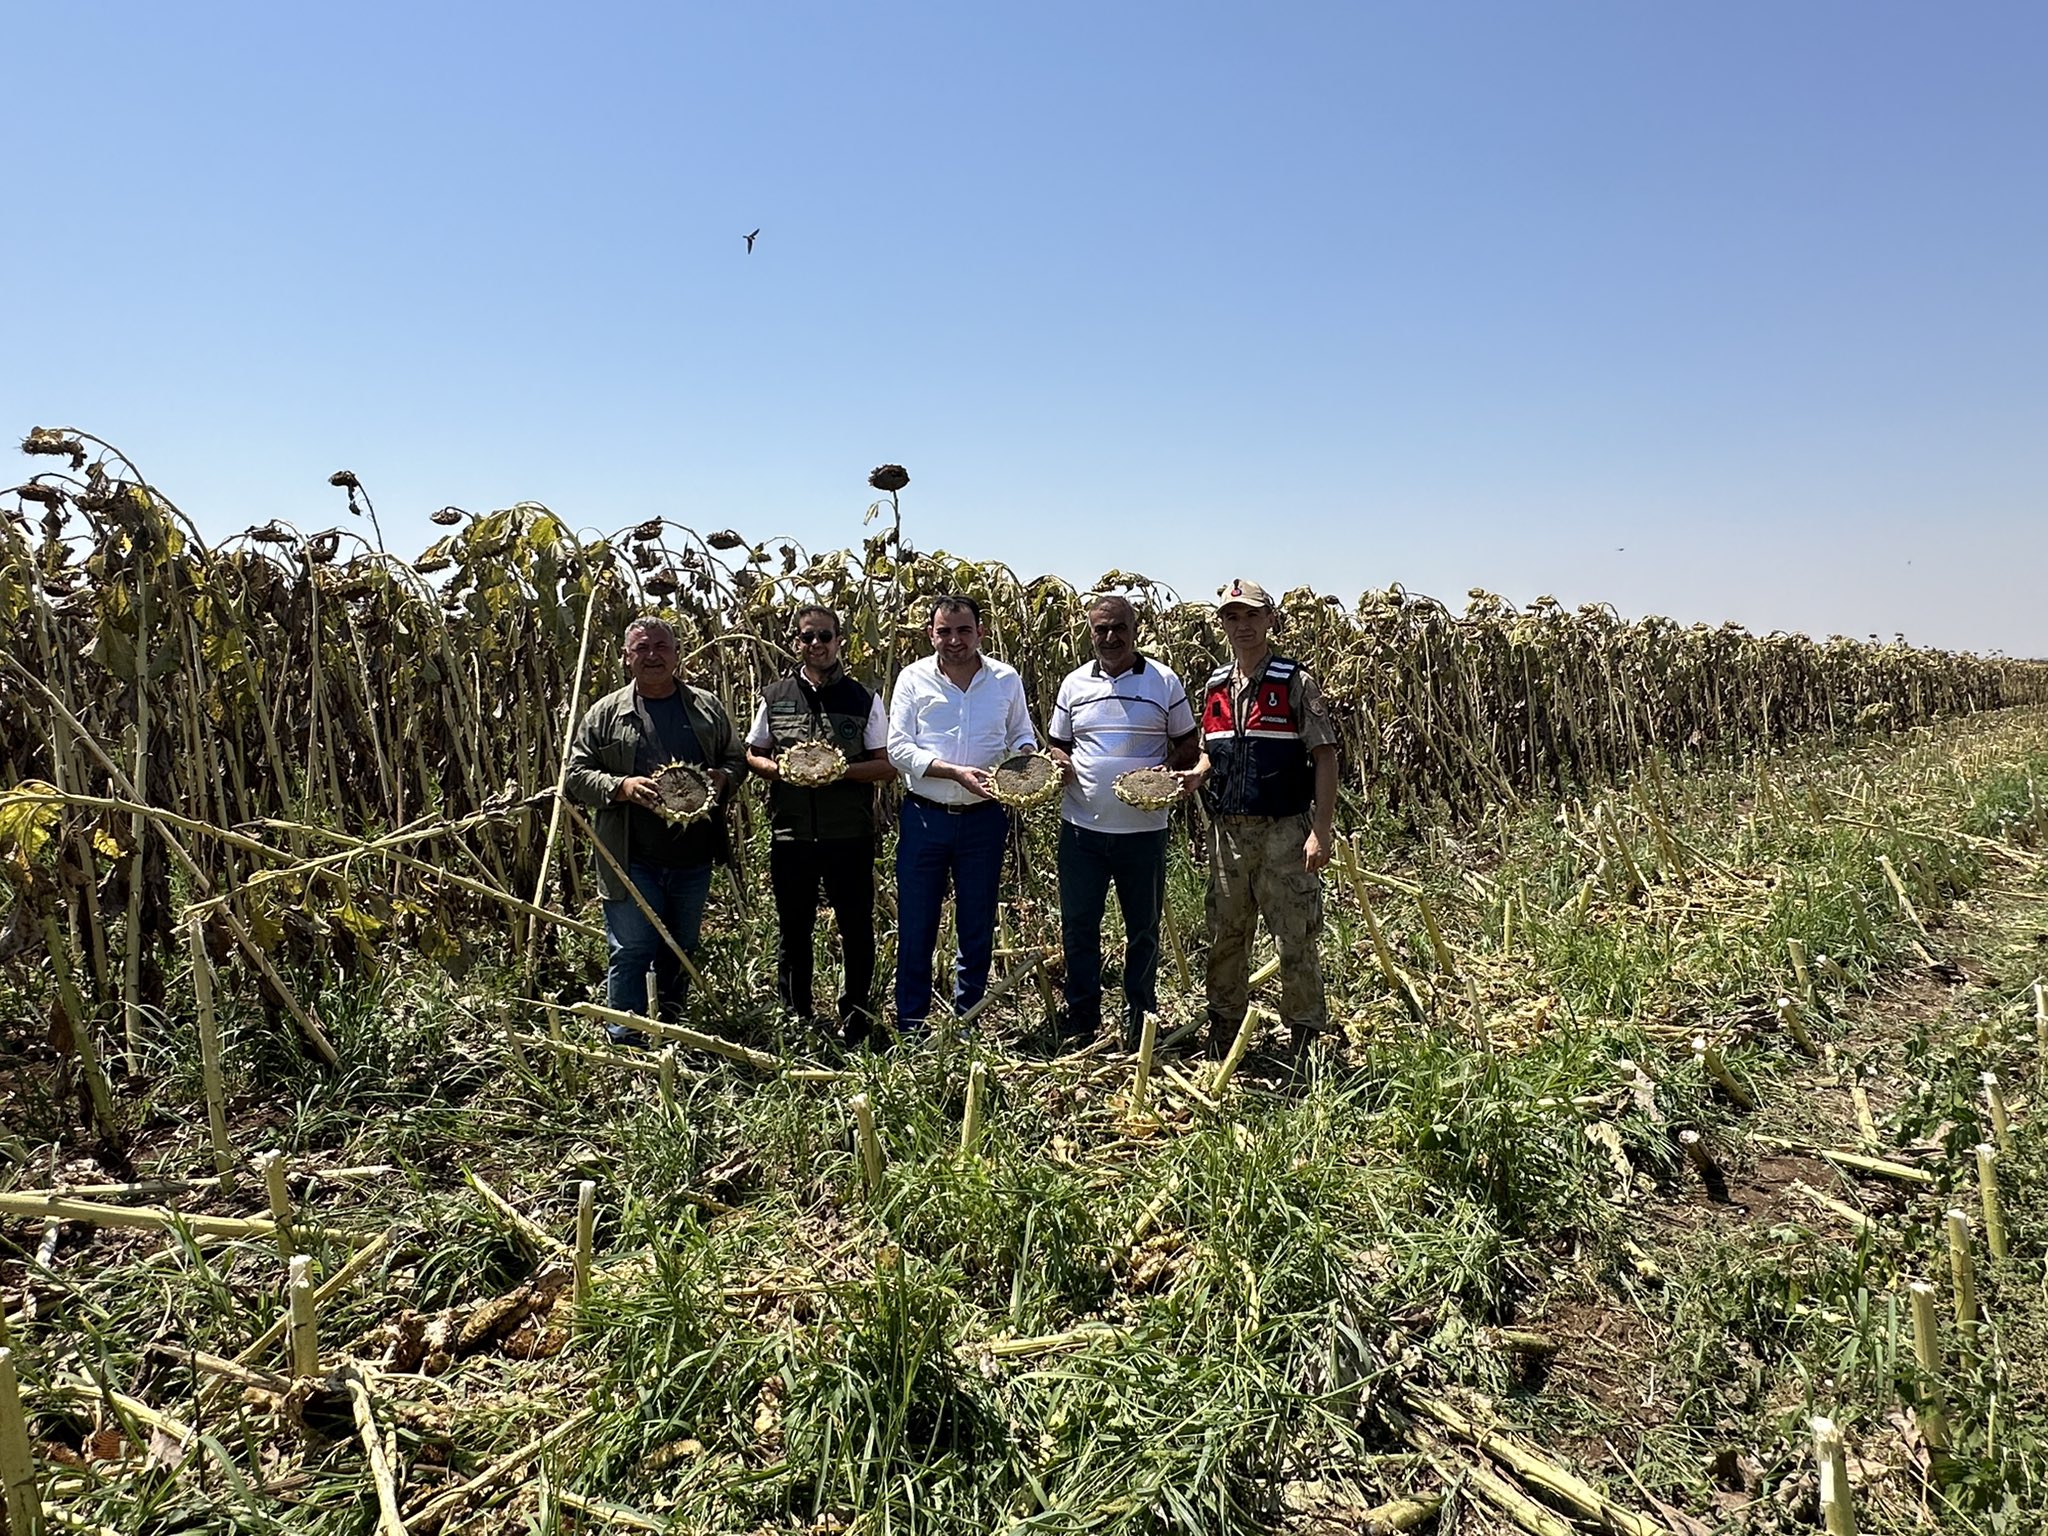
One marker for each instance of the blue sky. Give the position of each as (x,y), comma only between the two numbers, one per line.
(1719,311)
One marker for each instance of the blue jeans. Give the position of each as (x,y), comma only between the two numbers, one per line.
(677,897)
(1090,861)
(935,846)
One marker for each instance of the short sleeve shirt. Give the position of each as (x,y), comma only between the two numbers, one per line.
(1117,723)
(874,736)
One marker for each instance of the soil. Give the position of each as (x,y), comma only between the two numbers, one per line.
(1596,1397)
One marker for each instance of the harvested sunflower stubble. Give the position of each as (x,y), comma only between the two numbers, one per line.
(812,764)
(1149,789)
(1026,781)
(684,793)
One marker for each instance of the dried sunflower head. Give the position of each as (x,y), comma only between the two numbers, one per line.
(812,764)
(725,538)
(46,440)
(344,477)
(888,477)
(684,793)
(447,517)
(1026,780)
(663,582)
(1149,789)
(651,529)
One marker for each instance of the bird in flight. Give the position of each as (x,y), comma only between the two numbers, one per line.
(750,242)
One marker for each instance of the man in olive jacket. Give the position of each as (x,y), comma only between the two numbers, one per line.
(624,739)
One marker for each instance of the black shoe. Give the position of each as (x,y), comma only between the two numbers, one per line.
(626,1034)
(1067,1032)
(1308,1049)
(855,1029)
(899,1032)
(1070,1025)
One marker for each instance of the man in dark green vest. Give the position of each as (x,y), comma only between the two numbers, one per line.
(823,835)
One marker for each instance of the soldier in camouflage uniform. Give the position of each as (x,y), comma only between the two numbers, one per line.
(1268,776)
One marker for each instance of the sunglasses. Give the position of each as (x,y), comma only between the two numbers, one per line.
(815,637)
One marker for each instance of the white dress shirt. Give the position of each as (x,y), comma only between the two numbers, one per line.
(931,721)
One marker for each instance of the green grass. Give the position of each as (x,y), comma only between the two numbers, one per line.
(771,1345)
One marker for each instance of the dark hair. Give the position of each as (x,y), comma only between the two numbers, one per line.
(796,620)
(954,600)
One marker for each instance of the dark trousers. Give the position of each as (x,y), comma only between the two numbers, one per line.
(845,867)
(936,847)
(1090,862)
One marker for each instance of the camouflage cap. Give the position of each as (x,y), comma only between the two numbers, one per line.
(1250,593)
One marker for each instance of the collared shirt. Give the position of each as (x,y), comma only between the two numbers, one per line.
(1262,732)
(1117,723)
(1305,691)
(931,720)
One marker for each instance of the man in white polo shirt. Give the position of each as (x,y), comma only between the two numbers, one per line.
(955,715)
(1117,713)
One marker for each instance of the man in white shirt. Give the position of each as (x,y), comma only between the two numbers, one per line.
(1119,712)
(955,715)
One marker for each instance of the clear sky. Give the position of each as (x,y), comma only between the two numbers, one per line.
(1728,310)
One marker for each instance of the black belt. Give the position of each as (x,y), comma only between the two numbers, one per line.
(956,810)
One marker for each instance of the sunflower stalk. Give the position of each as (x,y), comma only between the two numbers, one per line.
(1962,1272)
(20,1497)
(224,1159)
